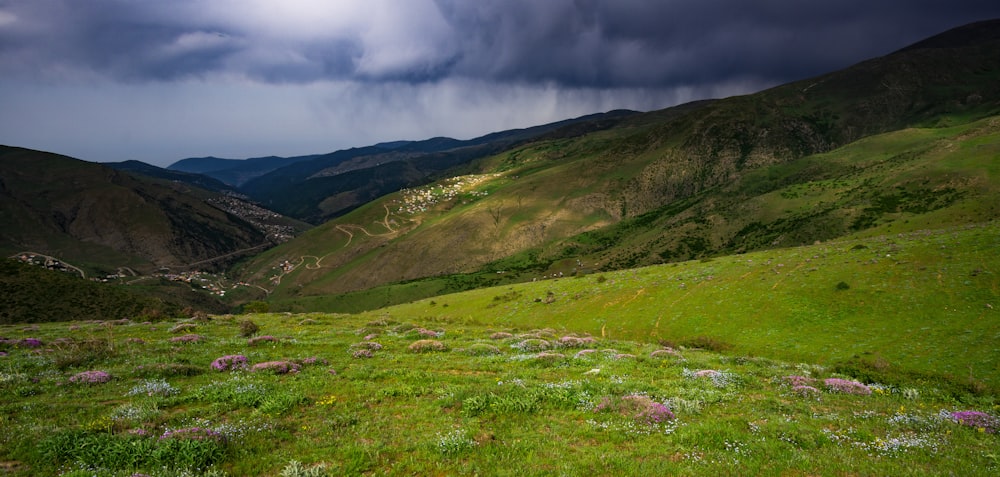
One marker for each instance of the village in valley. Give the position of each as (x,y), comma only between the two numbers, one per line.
(212,283)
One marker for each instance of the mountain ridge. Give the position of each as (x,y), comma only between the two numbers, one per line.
(653,187)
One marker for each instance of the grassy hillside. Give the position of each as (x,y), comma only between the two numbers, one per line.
(102,219)
(897,143)
(508,226)
(31,294)
(450,391)
(902,303)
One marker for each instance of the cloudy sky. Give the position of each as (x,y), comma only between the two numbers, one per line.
(158,80)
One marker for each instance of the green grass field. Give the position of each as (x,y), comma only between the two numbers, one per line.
(567,376)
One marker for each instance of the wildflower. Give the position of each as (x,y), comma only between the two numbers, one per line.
(805,391)
(186,339)
(153,387)
(368,345)
(90,377)
(666,353)
(837,385)
(363,354)
(532,345)
(261,339)
(501,335)
(583,353)
(30,343)
(311,361)
(575,342)
(423,346)
(230,362)
(193,433)
(979,420)
(428,333)
(276,367)
(796,380)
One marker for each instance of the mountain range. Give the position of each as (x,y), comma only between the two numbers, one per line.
(904,142)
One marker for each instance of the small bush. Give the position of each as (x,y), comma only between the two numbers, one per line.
(426,346)
(639,407)
(261,339)
(191,338)
(230,362)
(482,349)
(183,327)
(276,367)
(248,328)
(532,345)
(368,345)
(90,377)
(842,286)
(666,353)
(575,342)
(805,391)
(844,386)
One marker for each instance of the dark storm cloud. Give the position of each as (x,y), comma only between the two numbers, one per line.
(575,43)
(649,43)
(158,80)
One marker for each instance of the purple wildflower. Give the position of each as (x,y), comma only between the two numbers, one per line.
(3,353)
(261,339)
(583,353)
(978,420)
(312,360)
(639,407)
(654,413)
(186,339)
(277,367)
(363,354)
(369,345)
(795,380)
(30,343)
(845,386)
(230,362)
(428,333)
(705,373)
(666,353)
(575,342)
(805,391)
(90,377)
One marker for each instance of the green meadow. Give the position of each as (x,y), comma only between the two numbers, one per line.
(875,356)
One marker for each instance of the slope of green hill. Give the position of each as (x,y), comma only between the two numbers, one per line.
(896,143)
(102,219)
(911,306)
(31,294)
